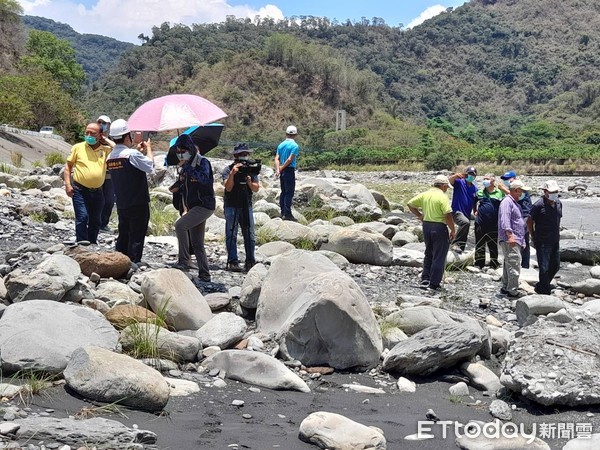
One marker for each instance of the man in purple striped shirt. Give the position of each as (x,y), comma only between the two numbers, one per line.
(511,237)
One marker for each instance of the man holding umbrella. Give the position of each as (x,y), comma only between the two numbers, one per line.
(128,168)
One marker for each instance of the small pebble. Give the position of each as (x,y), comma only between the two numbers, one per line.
(239,403)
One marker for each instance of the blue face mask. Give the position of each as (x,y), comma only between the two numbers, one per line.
(522,196)
(487,183)
(470,178)
(91,140)
(104,127)
(506,183)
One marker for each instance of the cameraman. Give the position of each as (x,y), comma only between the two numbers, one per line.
(241,180)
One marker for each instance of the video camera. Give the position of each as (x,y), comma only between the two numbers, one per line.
(250,167)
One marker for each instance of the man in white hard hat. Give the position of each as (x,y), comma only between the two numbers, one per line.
(544,229)
(107,187)
(285,168)
(128,168)
(433,208)
(84,175)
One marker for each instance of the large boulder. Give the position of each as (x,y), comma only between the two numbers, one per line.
(376,227)
(172,346)
(360,194)
(116,293)
(73,432)
(292,232)
(434,348)
(537,305)
(170,293)
(223,330)
(584,251)
(51,280)
(413,319)
(42,335)
(555,364)
(255,368)
(360,247)
(105,376)
(252,285)
(320,315)
(107,265)
(336,432)
(121,316)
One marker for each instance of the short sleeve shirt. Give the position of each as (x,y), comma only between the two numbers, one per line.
(287,148)
(434,203)
(89,165)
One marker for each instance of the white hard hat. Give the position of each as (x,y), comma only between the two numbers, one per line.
(118,128)
(104,119)
(291,130)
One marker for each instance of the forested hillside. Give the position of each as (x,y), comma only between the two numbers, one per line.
(97,54)
(495,79)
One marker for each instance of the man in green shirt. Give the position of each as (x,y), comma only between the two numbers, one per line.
(433,208)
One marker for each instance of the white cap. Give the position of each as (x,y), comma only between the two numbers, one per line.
(118,128)
(291,130)
(103,118)
(551,186)
(518,184)
(440,179)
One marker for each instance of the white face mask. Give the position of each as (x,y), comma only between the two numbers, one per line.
(184,156)
(553,196)
(487,183)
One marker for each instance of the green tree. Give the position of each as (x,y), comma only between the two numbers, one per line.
(57,57)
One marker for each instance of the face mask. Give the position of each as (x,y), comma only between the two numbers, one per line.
(506,183)
(553,196)
(522,196)
(487,183)
(104,127)
(184,156)
(244,158)
(470,178)
(91,140)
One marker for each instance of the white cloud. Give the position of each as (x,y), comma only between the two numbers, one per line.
(126,19)
(430,12)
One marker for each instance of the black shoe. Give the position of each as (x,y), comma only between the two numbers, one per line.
(249,265)
(234,266)
(290,218)
(424,284)
(105,229)
(204,277)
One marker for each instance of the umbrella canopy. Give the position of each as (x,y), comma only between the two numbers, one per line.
(173,112)
(206,137)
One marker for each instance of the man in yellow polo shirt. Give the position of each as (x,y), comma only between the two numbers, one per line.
(84,176)
(433,208)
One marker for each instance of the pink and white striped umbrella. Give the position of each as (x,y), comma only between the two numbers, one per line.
(172,112)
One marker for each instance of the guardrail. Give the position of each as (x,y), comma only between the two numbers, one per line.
(10,129)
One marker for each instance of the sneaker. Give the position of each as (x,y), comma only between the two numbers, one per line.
(234,267)
(105,229)
(517,294)
(180,265)
(424,284)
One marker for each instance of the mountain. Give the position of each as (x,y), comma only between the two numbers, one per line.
(106,50)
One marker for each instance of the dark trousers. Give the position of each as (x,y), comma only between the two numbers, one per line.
(109,201)
(133,225)
(437,242)
(486,237)
(288,186)
(548,256)
(526,253)
(463,223)
(87,204)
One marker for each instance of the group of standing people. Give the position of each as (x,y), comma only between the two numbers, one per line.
(109,166)
(504,218)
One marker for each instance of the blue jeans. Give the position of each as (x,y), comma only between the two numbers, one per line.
(287,181)
(233,218)
(88,204)
(437,242)
(548,256)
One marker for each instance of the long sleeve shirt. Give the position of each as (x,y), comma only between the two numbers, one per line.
(510,219)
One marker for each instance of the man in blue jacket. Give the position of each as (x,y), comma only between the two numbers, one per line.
(463,205)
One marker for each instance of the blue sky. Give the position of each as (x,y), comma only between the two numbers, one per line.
(126,19)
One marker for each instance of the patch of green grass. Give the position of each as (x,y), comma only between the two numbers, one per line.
(265,235)
(30,184)
(69,214)
(162,219)
(408,166)
(53,158)
(456,399)
(7,168)
(16,158)
(398,192)
(37,163)
(305,243)
(385,326)
(34,382)
(144,335)
(87,412)
(37,217)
